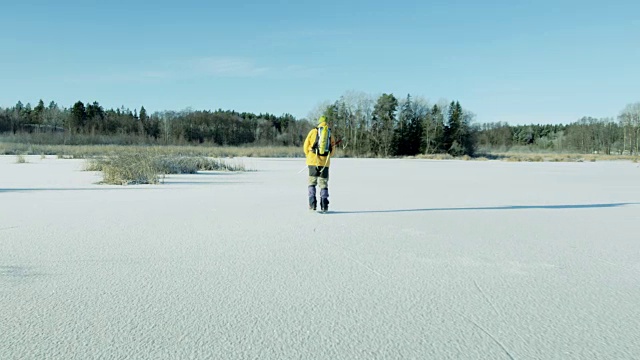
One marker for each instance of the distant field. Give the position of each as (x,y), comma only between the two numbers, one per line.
(87,151)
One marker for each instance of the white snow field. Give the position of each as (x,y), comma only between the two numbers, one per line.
(417,259)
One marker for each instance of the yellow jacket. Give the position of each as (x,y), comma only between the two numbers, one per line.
(312,158)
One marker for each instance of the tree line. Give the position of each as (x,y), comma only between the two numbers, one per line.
(167,127)
(388,126)
(587,135)
(366,125)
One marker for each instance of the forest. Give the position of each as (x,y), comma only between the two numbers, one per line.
(365,125)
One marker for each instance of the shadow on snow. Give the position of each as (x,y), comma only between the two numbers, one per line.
(511,207)
(65,189)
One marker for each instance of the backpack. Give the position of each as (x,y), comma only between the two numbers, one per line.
(322,145)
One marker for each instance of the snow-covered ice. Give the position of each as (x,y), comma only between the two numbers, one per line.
(418,259)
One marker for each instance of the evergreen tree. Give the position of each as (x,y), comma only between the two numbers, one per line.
(384,114)
(452,129)
(404,132)
(143,114)
(414,133)
(78,117)
(458,134)
(16,117)
(5,120)
(38,113)
(94,118)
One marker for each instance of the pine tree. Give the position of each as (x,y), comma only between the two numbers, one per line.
(455,130)
(414,134)
(402,134)
(143,114)
(384,113)
(26,114)
(38,113)
(78,117)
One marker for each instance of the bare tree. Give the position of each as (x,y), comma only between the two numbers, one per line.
(630,121)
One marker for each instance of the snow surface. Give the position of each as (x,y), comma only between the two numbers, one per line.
(418,259)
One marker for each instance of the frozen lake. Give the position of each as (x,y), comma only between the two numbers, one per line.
(418,259)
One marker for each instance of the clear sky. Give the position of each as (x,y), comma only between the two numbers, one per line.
(517,61)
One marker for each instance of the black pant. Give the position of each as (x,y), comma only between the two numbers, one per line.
(319,171)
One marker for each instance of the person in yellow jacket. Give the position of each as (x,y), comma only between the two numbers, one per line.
(318,148)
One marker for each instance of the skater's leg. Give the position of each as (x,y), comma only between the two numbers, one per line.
(312,197)
(323,181)
(324,199)
(313,181)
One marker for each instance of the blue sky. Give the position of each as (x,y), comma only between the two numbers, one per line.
(514,61)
